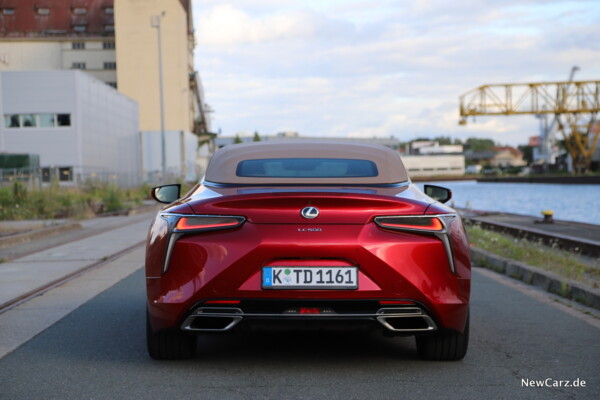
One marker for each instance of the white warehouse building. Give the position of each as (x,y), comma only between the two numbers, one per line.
(74,122)
(432,165)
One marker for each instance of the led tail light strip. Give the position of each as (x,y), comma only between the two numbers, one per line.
(436,225)
(184,224)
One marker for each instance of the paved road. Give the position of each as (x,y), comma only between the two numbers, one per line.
(98,352)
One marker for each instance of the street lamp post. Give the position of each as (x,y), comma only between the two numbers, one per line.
(155,23)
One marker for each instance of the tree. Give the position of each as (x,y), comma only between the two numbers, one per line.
(256,137)
(442,140)
(237,139)
(476,144)
(527,153)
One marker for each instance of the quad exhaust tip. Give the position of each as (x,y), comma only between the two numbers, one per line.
(216,319)
(220,319)
(405,319)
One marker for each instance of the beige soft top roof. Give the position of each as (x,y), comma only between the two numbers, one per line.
(223,165)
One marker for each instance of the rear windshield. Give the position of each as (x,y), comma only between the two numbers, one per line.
(306,168)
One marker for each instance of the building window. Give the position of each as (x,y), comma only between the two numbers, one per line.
(79,11)
(110,65)
(108,45)
(78,65)
(109,10)
(113,84)
(47,120)
(8,11)
(63,119)
(79,28)
(78,45)
(65,174)
(43,11)
(28,121)
(46,174)
(12,121)
(109,28)
(36,120)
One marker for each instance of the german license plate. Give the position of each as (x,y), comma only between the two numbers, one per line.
(309,278)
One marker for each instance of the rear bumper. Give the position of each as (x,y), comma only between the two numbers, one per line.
(272,314)
(411,319)
(228,265)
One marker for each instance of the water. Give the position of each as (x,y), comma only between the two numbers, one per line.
(569,202)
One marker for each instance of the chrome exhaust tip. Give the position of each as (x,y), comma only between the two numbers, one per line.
(406,319)
(212,319)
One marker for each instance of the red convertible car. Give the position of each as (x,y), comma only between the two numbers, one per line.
(307,235)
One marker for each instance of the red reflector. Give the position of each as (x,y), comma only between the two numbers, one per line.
(193,223)
(310,310)
(388,302)
(222,302)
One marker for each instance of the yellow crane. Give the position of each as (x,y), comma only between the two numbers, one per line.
(575,105)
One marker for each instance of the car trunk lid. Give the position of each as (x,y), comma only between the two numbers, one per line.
(286,207)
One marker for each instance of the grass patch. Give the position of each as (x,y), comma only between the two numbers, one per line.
(561,262)
(17,202)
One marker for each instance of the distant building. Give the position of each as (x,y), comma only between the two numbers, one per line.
(480,157)
(434,147)
(507,156)
(115,42)
(80,128)
(434,165)
(138,72)
(181,153)
(59,35)
(499,156)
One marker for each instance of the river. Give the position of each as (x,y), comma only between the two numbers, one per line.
(569,202)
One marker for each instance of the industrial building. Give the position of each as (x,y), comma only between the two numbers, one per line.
(80,127)
(144,49)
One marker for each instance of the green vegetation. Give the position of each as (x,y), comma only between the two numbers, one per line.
(17,202)
(564,263)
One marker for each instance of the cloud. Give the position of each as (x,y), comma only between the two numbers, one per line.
(381,68)
(227,25)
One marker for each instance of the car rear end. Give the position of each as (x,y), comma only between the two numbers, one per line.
(262,260)
(307,234)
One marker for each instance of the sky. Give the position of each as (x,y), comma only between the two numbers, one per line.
(384,68)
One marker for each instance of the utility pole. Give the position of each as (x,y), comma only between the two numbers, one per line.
(155,23)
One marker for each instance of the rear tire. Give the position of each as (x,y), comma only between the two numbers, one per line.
(444,345)
(169,345)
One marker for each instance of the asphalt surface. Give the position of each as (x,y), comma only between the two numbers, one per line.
(98,352)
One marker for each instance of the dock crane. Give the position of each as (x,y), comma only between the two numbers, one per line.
(575,105)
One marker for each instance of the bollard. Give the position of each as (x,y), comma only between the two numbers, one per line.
(548,216)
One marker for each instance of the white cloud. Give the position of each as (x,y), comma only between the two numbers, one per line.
(227,25)
(381,68)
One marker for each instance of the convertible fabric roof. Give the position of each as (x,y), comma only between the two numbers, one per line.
(223,165)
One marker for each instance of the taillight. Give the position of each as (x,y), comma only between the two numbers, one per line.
(206,223)
(432,225)
(420,223)
(184,224)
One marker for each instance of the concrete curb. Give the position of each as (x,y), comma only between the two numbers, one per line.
(38,233)
(537,277)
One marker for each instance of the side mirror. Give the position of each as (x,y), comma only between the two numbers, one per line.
(438,193)
(166,193)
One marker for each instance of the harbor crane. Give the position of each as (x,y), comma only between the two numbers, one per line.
(575,105)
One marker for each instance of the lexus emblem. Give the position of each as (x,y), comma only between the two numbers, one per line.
(310,212)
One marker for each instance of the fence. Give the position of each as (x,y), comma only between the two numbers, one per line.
(64,176)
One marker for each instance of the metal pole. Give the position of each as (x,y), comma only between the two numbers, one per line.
(155,22)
